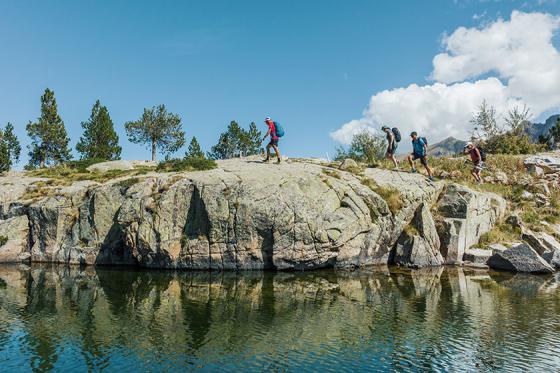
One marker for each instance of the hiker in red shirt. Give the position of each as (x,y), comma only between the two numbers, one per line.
(476,159)
(273,140)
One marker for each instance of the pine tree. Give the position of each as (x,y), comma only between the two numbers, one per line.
(99,139)
(236,142)
(157,128)
(228,143)
(10,149)
(250,142)
(49,140)
(194,150)
(5,161)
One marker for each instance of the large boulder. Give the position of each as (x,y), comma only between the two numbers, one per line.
(242,215)
(519,258)
(348,164)
(421,247)
(465,215)
(13,239)
(545,245)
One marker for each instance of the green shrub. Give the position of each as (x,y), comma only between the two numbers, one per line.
(189,164)
(511,143)
(3,240)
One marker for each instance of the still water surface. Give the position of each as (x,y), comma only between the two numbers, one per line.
(72,319)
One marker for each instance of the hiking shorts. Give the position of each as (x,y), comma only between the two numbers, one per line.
(273,142)
(423,159)
(391,150)
(479,166)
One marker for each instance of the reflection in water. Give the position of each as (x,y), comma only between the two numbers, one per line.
(60,318)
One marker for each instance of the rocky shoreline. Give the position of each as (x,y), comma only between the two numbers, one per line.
(246,215)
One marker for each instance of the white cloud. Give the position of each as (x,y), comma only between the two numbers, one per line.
(517,55)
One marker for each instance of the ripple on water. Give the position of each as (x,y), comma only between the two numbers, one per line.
(58,318)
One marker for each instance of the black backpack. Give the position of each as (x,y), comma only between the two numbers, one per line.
(482,154)
(397,134)
(424,140)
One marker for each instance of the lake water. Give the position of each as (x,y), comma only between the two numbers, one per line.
(72,319)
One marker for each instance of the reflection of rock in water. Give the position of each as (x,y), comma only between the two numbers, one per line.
(523,284)
(204,315)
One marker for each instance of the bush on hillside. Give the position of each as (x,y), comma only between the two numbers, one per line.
(365,147)
(510,143)
(189,164)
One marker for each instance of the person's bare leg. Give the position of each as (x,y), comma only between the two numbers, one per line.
(429,171)
(478,176)
(277,153)
(392,157)
(410,162)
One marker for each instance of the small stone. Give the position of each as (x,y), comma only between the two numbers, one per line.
(515,221)
(527,195)
(501,177)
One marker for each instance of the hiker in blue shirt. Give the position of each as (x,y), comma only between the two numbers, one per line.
(419,151)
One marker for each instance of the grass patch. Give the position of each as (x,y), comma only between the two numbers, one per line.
(331,173)
(390,195)
(501,233)
(127,183)
(189,164)
(70,172)
(3,240)
(411,231)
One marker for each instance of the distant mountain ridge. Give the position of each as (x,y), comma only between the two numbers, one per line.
(449,146)
(537,129)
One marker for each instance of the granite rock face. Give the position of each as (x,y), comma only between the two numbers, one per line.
(13,239)
(421,249)
(243,215)
(465,216)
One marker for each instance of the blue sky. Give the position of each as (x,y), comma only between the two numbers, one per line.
(312,65)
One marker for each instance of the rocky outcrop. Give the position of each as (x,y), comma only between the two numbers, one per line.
(548,163)
(242,215)
(519,258)
(13,239)
(421,248)
(464,216)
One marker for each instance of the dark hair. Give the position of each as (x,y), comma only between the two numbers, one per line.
(384,128)
(413,134)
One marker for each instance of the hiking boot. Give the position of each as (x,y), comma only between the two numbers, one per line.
(413,171)
(266,160)
(431,178)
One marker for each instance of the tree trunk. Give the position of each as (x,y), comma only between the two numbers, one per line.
(153,151)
